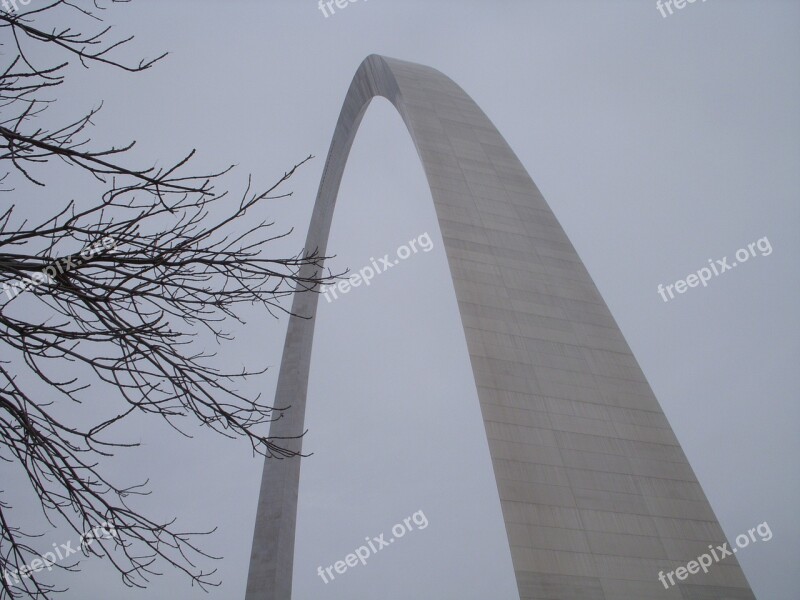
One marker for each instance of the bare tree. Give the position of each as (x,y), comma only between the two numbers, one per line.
(122,287)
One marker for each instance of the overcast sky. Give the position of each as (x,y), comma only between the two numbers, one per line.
(659,143)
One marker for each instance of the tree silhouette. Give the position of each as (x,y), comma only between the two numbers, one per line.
(117,290)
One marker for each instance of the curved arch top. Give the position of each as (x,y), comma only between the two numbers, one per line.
(596,492)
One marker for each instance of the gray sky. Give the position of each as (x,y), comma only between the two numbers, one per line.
(659,143)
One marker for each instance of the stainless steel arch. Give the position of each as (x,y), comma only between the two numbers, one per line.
(597,494)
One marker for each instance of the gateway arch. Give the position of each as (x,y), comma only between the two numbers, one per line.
(596,493)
